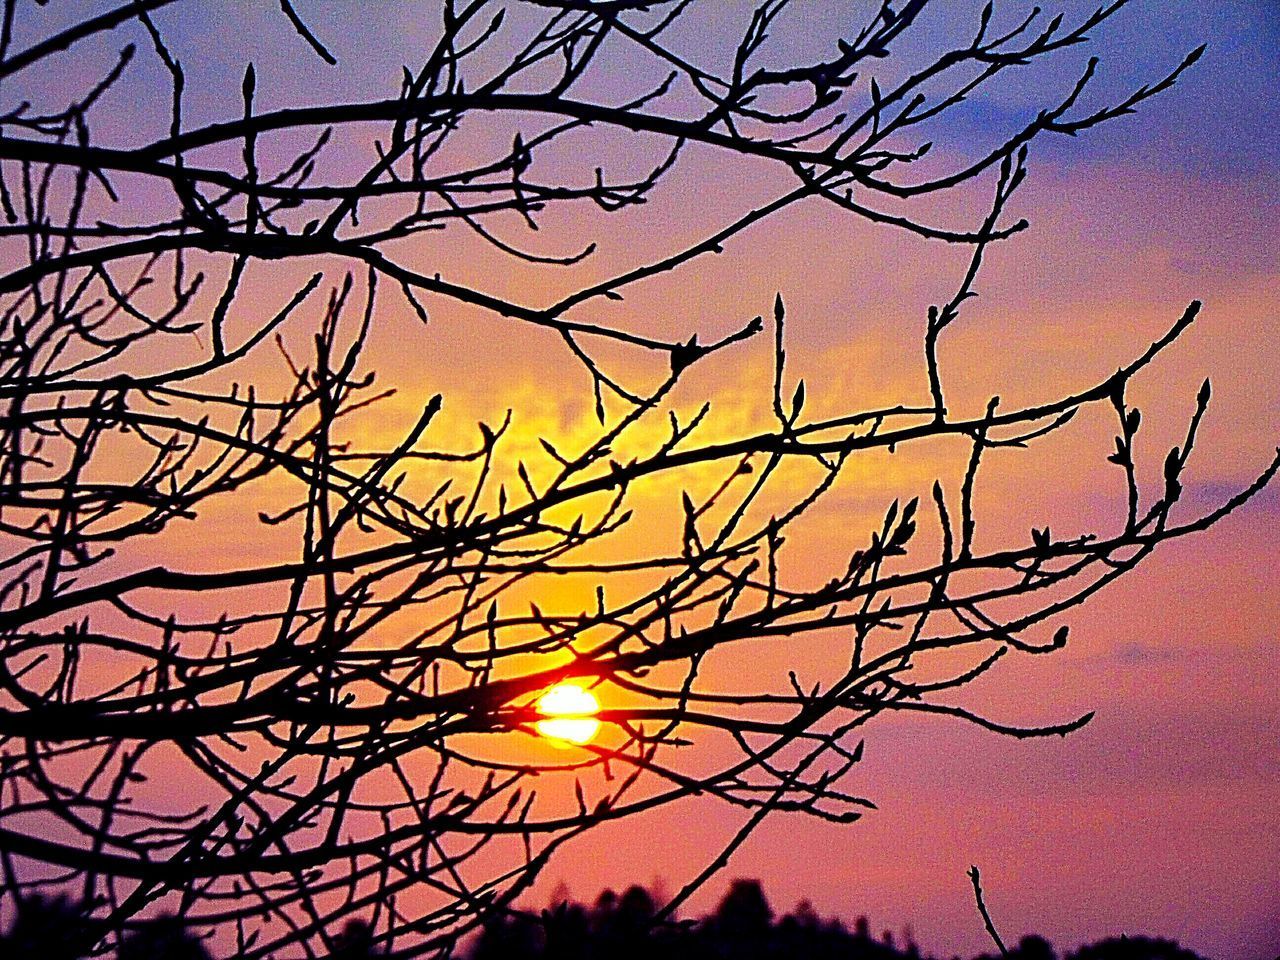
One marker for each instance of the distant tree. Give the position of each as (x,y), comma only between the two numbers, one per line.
(51,929)
(505,937)
(1033,947)
(622,926)
(740,927)
(161,938)
(42,928)
(186,306)
(1125,947)
(744,911)
(567,932)
(355,942)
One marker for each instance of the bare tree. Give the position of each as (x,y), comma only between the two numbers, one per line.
(331,721)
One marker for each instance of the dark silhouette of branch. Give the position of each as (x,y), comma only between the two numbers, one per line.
(976,878)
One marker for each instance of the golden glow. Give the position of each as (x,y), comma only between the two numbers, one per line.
(571,712)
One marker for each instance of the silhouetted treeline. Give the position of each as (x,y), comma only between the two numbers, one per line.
(51,929)
(616,927)
(743,927)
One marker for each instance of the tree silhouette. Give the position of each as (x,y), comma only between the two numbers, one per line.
(161,938)
(1133,948)
(44,928)
(50,929)
(743,927)
(273,750)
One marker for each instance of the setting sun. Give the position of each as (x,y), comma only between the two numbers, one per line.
(571,714)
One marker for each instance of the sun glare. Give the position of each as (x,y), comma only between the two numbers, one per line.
(570,712)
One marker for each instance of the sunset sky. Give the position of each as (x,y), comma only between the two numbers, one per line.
(1162,816)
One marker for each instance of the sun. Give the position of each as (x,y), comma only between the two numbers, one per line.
(570,711)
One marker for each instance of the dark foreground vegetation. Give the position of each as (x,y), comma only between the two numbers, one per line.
(616,927)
